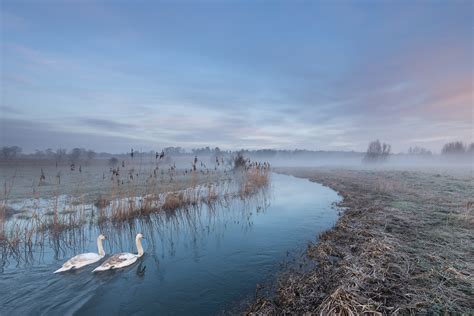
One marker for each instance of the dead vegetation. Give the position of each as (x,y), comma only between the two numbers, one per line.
(253,180)
(173,201)
(397,249)
(126,200)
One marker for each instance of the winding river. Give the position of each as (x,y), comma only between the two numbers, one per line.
(198,261)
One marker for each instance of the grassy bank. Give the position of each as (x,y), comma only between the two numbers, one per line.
(403,245)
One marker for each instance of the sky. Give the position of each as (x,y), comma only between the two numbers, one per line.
(319,75)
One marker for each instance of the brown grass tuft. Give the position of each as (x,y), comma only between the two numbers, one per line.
(173,202)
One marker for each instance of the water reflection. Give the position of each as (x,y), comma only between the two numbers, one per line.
(163,231)
(197,260)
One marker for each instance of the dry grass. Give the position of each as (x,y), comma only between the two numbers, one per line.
(253,179)
(399,248)
(174,201)
(212,194)
(126,196)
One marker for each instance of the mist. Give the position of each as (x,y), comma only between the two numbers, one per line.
(236,157)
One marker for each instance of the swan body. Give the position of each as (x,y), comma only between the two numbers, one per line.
(84,259)
(124,259)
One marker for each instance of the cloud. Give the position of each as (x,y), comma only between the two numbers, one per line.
(31,55)
(105,124)
(322,77)
(10,110)
(31,135)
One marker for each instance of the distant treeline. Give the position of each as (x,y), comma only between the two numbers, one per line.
(376,152)
(380,152)
(81,154)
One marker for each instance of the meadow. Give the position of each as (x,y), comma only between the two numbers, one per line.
(43,199)
(403,242)
(403,245)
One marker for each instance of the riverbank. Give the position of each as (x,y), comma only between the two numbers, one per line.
(403,244)
(213,254)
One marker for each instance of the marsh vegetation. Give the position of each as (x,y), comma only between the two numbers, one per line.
(212,253)
(403,229)
(403,245)
(49,200)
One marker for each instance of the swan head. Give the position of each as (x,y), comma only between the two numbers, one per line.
(102,237)
(139,237)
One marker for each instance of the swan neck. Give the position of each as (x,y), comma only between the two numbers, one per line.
(100,247)
(139,247)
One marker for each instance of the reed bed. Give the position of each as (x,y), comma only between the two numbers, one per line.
(254,179)
(126,199)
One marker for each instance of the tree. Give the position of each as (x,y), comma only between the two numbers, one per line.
(60,154)
(173,151)
(10,152)
(470,149)
(377,152)
(39,154)
(205,151)
(216,154)
(419,151)
(49,153)
(239,161)
(90,154)
(453,148)
(76,154)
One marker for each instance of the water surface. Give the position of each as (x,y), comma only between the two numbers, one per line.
(197,261)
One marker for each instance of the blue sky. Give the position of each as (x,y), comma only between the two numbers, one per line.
(330,75)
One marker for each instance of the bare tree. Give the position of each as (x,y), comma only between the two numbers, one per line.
(10,152)
(76,154)
(419,151)
(90,154)
(39,154)
(453,148)
(60,154)
(239,161)
(470,149)
(377,152)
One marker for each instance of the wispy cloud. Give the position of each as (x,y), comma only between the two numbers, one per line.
(10,110)
(105,124)
(30,55)
(316,77)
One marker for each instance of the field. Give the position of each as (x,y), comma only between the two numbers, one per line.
(95,178)
(41,197)
(403,245)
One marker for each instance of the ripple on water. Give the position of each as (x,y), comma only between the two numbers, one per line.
(197,262)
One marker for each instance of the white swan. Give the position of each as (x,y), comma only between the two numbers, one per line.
(84,259)
(123,259)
